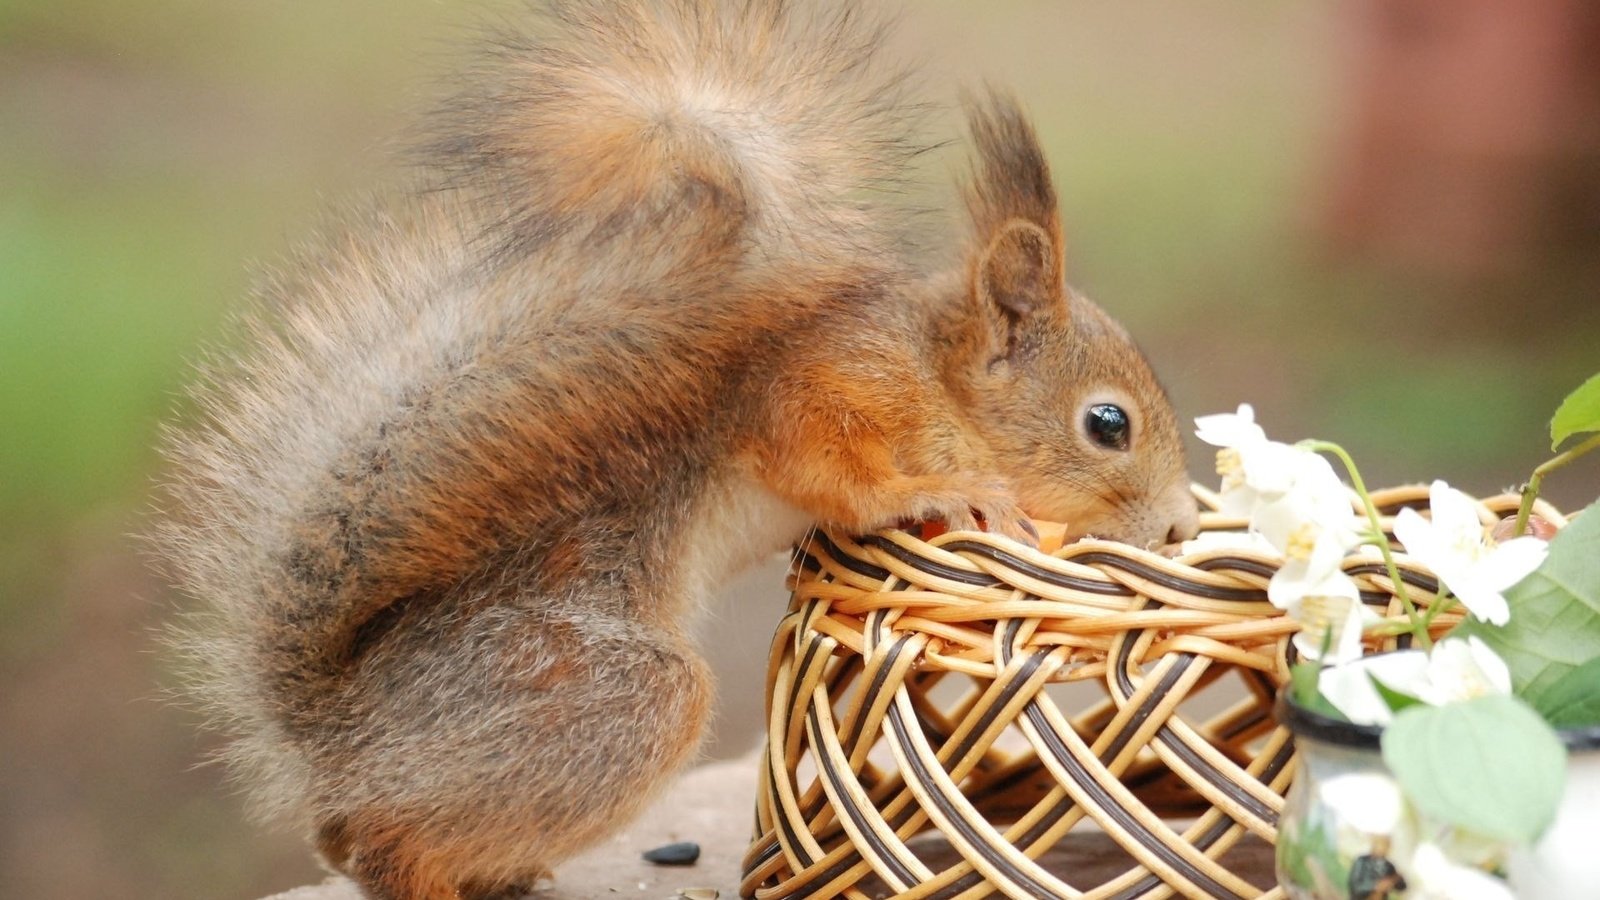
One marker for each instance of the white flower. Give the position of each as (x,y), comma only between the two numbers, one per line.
(1349,688)
(1230,429)
(1310,525)
(1369,803)
(1224,541)
(1329,610)
(1454,670)
(1435,876)
(1461,670)
(1290,494)
(1475,850)
(1312,518)
(1252,467)
(1305,572)
(1454,545)
(1369,814)
(1314,535)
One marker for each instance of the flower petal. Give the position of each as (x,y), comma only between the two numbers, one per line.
(1463,670)
(1495,671)
(1438,877)
(1239,501)
(1511,561)
(1416,534)
(1479,599)
(1230,429)
(1369,802)
(1331,621)
(1238,541)
(1348,687)
(1297,517)
(1272,467)
(1298,578)
(1455,516)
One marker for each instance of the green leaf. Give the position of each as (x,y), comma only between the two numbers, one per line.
(1573,700)
(1555,613)
(1491,766)
(1578,414)
(1303,678)
(1311,860)
(1292,855)
(1392,698)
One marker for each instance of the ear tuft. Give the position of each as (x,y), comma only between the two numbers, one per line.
(1018,266)
(1017,271)
(1010,178)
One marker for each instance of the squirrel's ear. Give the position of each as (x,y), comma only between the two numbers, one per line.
(1019,262)
(1018,271)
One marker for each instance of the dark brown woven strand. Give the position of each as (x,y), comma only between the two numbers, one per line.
(876,624)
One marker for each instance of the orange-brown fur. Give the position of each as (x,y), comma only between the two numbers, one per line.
(650,311)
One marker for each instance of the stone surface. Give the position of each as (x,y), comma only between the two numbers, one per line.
(713,806)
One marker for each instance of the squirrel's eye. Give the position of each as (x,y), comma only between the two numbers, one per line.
(1108,425)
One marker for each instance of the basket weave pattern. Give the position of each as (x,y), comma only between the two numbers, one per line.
(913,687)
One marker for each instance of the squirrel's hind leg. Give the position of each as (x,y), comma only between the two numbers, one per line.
(387,857)
(493,749)
(396,872)
(523,887)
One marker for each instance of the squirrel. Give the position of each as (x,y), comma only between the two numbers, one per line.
(651,309)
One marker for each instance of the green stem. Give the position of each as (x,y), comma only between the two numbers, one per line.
(1444,603)
(1419,628)
(1390,629)
(1440,604)
(1530,491)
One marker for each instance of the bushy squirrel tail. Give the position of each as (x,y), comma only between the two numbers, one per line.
(684,131)
(368,448)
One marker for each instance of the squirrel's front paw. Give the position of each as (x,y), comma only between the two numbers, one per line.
(978,505)
(1008,519)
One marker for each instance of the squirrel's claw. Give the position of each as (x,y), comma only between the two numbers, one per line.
(1017,527)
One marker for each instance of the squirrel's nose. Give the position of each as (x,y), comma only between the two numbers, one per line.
(1186,527)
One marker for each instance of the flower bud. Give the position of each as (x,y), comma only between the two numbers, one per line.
(1506,529)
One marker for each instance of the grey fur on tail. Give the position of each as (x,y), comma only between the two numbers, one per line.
(658,149)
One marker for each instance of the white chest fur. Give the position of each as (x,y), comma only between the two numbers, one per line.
(739,523)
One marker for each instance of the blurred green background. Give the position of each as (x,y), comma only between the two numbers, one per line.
(151,153)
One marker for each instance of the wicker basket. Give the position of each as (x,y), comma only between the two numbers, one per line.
(1010,705)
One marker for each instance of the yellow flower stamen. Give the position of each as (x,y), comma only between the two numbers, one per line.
(1326,616)
(1301,542)
(1230,465)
